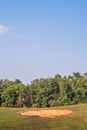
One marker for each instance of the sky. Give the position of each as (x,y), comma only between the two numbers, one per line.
(42,38)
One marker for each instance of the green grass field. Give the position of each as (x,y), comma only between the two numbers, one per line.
(11,120)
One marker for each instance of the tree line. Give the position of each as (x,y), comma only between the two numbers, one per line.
(45,92)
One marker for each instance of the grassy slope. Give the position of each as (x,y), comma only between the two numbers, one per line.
(11,120)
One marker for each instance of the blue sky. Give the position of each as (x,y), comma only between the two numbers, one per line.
(41,38)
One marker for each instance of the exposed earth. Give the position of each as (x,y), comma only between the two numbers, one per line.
(47,113)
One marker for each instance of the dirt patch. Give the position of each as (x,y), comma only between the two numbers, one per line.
(47,113)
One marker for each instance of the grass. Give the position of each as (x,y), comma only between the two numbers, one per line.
(11,120)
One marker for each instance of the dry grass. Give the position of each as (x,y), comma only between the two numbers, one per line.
(47,113)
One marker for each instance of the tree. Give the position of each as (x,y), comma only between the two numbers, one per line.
(76,75)
(17,81)
(85,75)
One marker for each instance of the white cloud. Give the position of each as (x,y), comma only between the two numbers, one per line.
(3,29)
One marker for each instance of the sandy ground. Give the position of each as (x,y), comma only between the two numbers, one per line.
(47,113)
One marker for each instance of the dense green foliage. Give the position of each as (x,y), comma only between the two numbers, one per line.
(49,92)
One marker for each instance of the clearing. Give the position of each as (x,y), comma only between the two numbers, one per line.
(47,113)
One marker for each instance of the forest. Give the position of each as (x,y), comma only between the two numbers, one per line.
(45,92)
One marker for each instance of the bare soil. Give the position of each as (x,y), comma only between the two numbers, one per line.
(47,113)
